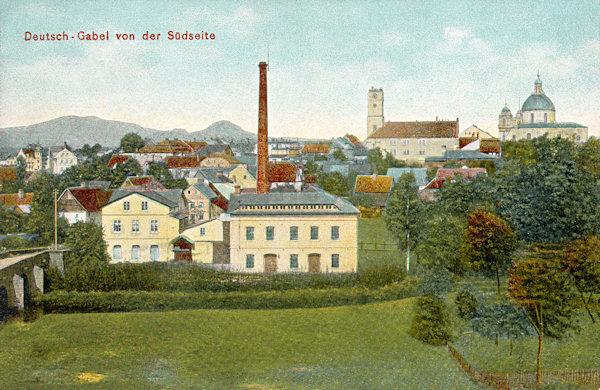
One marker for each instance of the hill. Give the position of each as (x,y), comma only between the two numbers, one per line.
(78,130)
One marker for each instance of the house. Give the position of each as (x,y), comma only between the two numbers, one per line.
(141,183)
(206,242)
(167,146)
(420,175)
(139,225)
(20,202)
(219,160)
(415,141)
(116,159)
(461,155)
(60,159)
(444,174)
(376,188)
(208,150)
(308,231)
(83,204)
(315,149)
(473,138)
(32,156)
(242,177)
(199,197)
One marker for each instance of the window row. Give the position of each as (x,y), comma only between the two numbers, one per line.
(135,253)
(135,226)
(335,261)
(293,233)
(127,205)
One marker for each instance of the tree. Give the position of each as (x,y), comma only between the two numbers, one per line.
(582,263)
(466,303)
(338,154)
(131,142)
(489,243)
(10,222)
(404,214)
(21,169)
(430,324)
(588,157)
(86,243)
(334,183)
(441,242)
(544,292)
(161,173)
(129,168)
(501,320)
(41,219)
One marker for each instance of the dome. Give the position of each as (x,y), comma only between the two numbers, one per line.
(536,102)
(506,111)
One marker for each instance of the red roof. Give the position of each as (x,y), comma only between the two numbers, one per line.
(182,161)
(281,172)
(174,146)
(313,147)
(434,129)
(464,141)
(220,201)
(8,173)
(91,199)
(14,200)
(373,184)
(353,139)
(489,145)
(142,182)
(117,159)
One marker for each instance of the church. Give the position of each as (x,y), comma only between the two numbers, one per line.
(537,117)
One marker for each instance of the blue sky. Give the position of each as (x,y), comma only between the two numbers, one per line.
(446,59)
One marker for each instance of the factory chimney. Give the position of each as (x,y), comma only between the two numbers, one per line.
(262,183)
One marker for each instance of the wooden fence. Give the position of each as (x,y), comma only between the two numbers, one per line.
(586,379)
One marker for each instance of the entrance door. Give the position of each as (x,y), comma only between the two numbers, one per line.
(182,251)
(270,264)
(314,263)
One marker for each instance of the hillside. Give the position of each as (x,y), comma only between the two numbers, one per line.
(77,130)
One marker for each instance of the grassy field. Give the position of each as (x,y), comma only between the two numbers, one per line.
(351,347)
(373,230)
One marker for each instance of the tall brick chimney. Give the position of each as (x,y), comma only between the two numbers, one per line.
(262,183)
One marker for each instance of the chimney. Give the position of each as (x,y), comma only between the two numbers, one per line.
(236,189)
(262,184)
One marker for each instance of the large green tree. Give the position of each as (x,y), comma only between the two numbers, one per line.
(489,243)
(540,288)
(334,182)
(86,244)
(582,263)
(41,219)
(129,168)
(441,241)
(430,323)
(131,142)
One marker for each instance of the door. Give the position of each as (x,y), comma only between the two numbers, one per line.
(182,251)
(270,264)
(314,263)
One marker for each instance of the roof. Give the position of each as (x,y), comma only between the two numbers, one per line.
(8,173)
(353,139)
(281,172)
(434,129)
(169,198)
(174,146)
(373,184)
(505,110)
(315,147)
(489,145)
(311,201)
(560,125)
(182,161)
(467,155)
(466,173)
(420,174)
(220,201)
(213,175)
(29,152)
(98,183)
(14,200)
(205,190)
(537,102)
(207,150)
(196,145)
(91,199)
(117,159)
(249,159)
(142,182)
(224,156)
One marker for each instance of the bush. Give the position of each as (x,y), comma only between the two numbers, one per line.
(124,301)
(14,242)
(380,275)
(430,324)
(466,303)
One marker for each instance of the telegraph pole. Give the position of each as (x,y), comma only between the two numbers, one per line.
(55,222)
(407,238)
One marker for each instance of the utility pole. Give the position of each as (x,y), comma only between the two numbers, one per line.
(407,238)
(55,222)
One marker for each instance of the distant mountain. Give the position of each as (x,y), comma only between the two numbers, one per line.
(77,130)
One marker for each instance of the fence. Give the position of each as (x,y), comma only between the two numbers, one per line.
(377,246)
(587,379)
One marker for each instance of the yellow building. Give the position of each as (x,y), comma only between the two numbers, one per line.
(307,231)
(32,158)
(242,177)
(138,226)
(207,243)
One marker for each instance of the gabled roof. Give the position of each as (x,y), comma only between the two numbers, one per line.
(224,156)
(169,198)
(434,129)
(420,174)
(142,182)
(281,172)
(196,145)
(353,139)
(314,147)
(205,190)
(8,173)
(490,145)
(91,199)
(182,161)
(174,146)
(117,159)
(220,201)
(213,175)
(207,150)
(373,184)
(14,200)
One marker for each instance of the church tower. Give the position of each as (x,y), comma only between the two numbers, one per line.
(374,110)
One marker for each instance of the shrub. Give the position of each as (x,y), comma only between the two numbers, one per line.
(14,242)
(430,324)
(466,303)
(380,275)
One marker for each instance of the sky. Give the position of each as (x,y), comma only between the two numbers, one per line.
(454,59)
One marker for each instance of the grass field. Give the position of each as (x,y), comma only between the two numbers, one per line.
(373,230)
(350,347)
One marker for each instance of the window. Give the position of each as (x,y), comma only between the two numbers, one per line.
(514,137)
(192,218)
(545,117)
(249,233)
(314,232)
(421,152)
(202,231)
(406,152)
(532,117)
(249,261)
(135,226)
(154,252)
(528,135)
(293,261)
(422,142)
(126,205)
(374,105)
(443,147)
(335,232)
(504,121)
(335,260)
(135,252)
(117,252)
(270,233)
(293,233)
(144,205)
(153,226)
(117,225)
